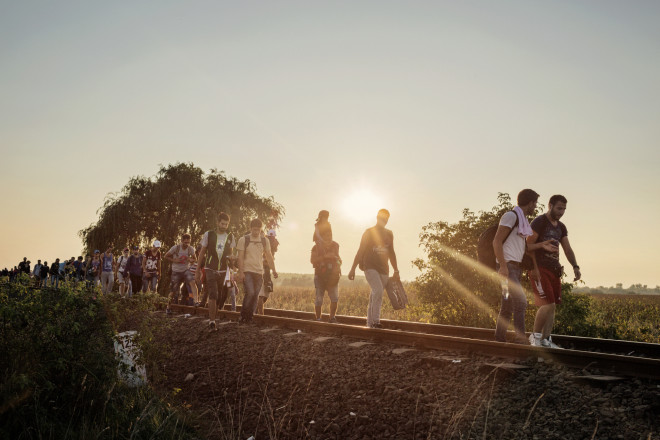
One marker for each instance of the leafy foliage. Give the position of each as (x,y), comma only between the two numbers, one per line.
(60,372)
(179,198)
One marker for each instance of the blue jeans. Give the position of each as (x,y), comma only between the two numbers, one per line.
(515,304)
(377,281)
(149,283)
(252,283)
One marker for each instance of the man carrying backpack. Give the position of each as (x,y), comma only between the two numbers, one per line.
(181,255)
(547,273)
(376,250)
(252,249)
(217,251)
(326,262)
(509,247)
(267,285)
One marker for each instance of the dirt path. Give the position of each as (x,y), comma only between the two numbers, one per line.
(274,384)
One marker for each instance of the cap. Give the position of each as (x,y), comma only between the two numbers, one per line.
(135,248)
(156,243)
(97,251)
(272,233)
(125,249)
(323,215)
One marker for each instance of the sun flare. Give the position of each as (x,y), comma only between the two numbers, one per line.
(361,206)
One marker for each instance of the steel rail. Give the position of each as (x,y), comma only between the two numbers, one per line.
(606,363)
(613,346)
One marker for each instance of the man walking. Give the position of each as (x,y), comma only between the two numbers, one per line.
(134,271)
(509,247)
(252,249)
(326,261)
(217,251)
(36,272)
(181,255)
(376,249)
(547,273)
(107,271)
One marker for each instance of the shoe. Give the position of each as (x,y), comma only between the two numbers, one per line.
(552,344)
(377,325)
(318,319)
(545,343)
(333,320)
(535,339)
(198,304)
(168,311)
(212,326)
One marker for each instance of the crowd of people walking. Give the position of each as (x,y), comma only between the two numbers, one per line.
(209,274)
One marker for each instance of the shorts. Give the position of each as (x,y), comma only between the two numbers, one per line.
(121,279)
(215,285)
(180,277)
(264,292)
(333,292)
(548,289)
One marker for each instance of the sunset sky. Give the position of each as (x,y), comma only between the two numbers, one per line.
(424,108)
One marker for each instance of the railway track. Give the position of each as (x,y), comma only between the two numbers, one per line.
(440,337)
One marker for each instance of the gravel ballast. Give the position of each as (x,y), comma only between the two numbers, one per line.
(249,380)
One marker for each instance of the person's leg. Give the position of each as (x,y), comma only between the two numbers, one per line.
(175,283)
(212,285)
(333,293)
(545,299)
(232,292)
(190,279)
(318,299)
(222,294)
(253,283)
(504,317)
(111,281)
(517,293)
(375,298)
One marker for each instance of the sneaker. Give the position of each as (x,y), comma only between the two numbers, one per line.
(318,319)
(333,320)
(545,343)
(168,311)
(198,304)
(552,344)
(212,326)
(377,325)
(535,339)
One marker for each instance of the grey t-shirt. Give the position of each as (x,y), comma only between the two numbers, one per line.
(181,257)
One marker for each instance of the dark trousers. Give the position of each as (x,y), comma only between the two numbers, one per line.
(136,283)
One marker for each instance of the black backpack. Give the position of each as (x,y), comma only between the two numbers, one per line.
(486,253)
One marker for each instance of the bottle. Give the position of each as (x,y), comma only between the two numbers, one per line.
(505,288)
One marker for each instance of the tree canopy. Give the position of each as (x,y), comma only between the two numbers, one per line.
(180,198)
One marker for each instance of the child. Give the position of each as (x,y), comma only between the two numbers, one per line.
(320,226)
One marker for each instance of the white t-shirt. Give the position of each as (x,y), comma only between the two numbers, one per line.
(514,246)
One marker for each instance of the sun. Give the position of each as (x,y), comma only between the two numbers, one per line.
(361,206)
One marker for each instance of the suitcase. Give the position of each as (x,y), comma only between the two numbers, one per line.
(396,293)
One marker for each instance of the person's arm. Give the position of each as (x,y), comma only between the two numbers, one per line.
(270,260)
(570,256)
(393,260)
(498,246)
(200,258)
(168,256)
(314,258)
(241,264)
(158,267)
(144,264)
(358,256)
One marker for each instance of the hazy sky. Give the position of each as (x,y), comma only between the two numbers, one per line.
(430,107)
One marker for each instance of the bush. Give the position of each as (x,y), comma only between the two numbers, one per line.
(60,372)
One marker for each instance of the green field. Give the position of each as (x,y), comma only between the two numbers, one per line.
(631,317)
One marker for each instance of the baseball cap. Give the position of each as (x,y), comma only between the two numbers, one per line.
(125,249)
(156,243)
(272,233)
(135,247)
(97,251)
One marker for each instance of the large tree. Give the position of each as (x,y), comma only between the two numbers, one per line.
(179,198)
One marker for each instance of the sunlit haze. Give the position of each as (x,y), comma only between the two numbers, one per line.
(422,108)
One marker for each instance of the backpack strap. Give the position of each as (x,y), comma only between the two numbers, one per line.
(514,225)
